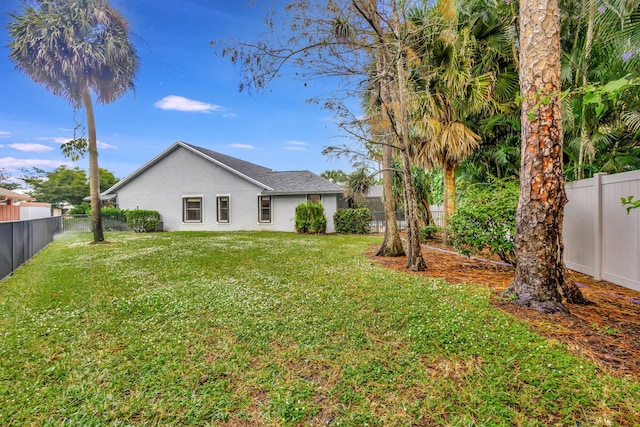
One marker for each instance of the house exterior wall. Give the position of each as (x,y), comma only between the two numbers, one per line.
(284,211)
(182,174)
(31,210)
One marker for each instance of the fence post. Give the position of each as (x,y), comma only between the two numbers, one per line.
(597,235)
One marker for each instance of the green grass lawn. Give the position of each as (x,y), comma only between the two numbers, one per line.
(235,329)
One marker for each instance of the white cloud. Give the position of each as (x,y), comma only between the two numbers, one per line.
(64,140)
(243,146)
(179,103)
(5,134)
(55,139)
(230,115)
(10,163)
(32,148)
(295,146)
(106,146)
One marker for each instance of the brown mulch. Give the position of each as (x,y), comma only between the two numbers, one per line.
(606,331)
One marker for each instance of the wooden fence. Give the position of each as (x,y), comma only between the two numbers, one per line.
(9,213)
(600,238)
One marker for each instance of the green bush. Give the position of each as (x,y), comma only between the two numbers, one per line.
(114,219)
(114,214)
(353,221)
(142,221)
(486,218)
(428,232)
(310,218)
(83,208)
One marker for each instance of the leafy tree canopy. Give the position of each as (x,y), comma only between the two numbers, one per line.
(6,183)
(64,185)
(338,176)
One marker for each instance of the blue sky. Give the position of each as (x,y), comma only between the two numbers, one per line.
(183,92)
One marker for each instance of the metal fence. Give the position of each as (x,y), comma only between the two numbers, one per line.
(378,223)
(82,223)
(21,240)
(76,223)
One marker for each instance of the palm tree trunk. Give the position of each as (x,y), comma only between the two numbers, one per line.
(540,281)
(584,136)
(450,190)
(94,175)
(449,199)
(392,245)
(428,216)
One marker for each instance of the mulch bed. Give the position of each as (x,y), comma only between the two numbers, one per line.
(606,331)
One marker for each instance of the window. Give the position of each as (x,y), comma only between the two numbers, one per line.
(192,211)
(223,208)
(315,198)
(264,206)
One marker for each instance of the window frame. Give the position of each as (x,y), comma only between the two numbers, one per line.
(185,209)
(219,197)
(261,198)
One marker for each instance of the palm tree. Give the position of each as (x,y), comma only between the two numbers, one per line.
(74,47)
(599,41)
(359,183)
(450,90)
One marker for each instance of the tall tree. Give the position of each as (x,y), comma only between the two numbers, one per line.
(64,185)
(61,186)
(452,87)
(107,179)
(337,176)
(540,281)
(6,182)
(74,47)
(379,130)
(342,38)
(392,244)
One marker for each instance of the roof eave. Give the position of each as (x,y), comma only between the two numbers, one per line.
(293,193)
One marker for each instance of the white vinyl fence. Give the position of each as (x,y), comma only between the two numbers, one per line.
(600,239)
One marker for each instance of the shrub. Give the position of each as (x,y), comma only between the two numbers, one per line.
(114,219)
(353,221)
(114,214)
(310,218)
(428,232)
(486,218)
(142,221)
(83,208)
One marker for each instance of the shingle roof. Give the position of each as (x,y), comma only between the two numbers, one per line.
(13,195)
(298,182)
(272,182)
(286,182)
(246,168)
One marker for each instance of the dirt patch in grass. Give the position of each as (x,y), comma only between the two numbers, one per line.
(606,331)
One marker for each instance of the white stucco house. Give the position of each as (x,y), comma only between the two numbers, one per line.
(194,188)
